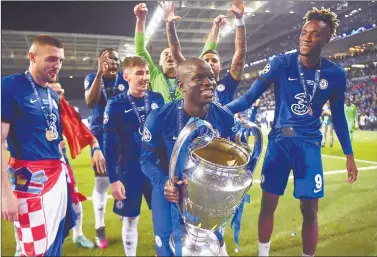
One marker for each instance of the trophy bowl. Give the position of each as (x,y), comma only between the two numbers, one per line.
(217,174)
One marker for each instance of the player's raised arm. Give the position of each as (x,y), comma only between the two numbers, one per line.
(238,60)
(93,93)
(341,128)
(213,36)
(141,12)
(170,19)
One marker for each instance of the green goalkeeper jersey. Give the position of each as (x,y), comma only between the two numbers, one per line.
(158,78)
(351,116)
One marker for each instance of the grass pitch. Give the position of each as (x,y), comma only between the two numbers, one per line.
(347,214)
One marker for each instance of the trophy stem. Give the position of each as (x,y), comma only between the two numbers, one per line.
(197,242)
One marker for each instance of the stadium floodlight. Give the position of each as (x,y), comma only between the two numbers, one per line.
(153,23)
(361,66)
(267,10)
(291,11)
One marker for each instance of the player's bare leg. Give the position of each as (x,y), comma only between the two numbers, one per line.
(266,222)
(309,209)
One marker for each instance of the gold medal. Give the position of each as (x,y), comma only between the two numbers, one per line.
(310,111)
(49,135)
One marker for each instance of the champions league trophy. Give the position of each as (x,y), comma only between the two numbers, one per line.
(219,174)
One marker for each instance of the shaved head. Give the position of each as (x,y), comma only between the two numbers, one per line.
(188,68)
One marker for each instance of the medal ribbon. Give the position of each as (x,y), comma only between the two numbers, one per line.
(134,108)
(46,111)
(103,88)
(317,77)
(171,89)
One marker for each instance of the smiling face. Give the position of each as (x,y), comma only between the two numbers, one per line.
(197,81)
(314,35)
(166,61)
(138,78)
(47,61)
(113,65)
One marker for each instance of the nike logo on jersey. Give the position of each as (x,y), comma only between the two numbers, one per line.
(175,138)
(290,79)
(317,190)
(33,101)
(127,110)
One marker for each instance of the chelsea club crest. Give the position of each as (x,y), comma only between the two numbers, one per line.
(220,87)
(119,204)
(154,106)
(323,84)
(121,87)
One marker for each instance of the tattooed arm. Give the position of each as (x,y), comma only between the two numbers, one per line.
(238,60)
(174,44)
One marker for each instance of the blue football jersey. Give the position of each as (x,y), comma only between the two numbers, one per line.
(225,89)
(161,131)
(113,88)
(21,109)
(291,106)
(120,121)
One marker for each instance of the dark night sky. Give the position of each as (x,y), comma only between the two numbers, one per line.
(104,18)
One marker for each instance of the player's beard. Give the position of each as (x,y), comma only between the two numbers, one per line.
(49,78)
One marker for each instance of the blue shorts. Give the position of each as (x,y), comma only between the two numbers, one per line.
(136,185)
(162,221)
(303,156)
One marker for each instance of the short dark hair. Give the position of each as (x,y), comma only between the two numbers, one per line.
(133,61)
(325,15)
(210,51)
(106,49)
(47,40)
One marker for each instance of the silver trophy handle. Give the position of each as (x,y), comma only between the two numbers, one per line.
(199,142)
(258,143)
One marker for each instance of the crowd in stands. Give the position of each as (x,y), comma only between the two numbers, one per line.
(364,95)
(367,71)
(366,16)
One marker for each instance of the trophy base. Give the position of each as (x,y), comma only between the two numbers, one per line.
(191,247)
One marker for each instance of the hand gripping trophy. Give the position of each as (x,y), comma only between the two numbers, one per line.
(219,174)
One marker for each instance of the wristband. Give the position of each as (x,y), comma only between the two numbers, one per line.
(240,22)
(95,149)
